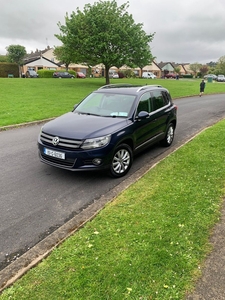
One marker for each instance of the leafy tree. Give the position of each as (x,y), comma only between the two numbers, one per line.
(177,70)
(64,55)
(195,67)
(15,54)
(3,58)
(105,33)
(211,64)
(220,67)
(204,70)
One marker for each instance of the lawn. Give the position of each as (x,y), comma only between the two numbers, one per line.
(151,241)
(31,99)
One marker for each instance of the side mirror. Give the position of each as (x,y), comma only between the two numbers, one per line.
(143,115)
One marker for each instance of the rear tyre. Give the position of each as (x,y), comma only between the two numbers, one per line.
(168,139)
(122,161)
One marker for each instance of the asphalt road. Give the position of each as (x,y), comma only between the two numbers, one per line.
(36,199)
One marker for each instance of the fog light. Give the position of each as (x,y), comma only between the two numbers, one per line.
(97,161)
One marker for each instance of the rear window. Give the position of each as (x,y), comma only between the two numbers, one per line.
(159,99)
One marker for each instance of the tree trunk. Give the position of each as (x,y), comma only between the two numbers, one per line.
(107,81)
(19,70)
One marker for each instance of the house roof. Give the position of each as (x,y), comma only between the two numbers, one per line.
(35,55)
(40,61)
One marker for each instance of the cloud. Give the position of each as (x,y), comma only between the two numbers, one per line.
(185,31)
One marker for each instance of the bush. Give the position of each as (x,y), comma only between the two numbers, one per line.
(9,68)
(44,73)
(129,73)
(121,74)
(187,76)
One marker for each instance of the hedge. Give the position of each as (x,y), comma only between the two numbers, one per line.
(9,68)
(43,73)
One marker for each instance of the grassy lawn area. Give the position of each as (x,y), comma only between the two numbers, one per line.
(27,100)
(151,241)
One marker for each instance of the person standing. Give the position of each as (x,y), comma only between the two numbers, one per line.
(202,87)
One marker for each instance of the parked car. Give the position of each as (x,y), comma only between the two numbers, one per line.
(113,75)
(213,76)
(31,74)
(80,75)
(108,127)
(149,75)
(221,78)
(171,75)
(63,75)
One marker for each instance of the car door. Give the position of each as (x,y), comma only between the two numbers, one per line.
(144,132)
(160,102)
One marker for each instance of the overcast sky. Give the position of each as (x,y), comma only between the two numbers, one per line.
(185,31)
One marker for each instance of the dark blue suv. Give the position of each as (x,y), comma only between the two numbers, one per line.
(107,128)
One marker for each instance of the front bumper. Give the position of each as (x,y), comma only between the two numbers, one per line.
(77,160)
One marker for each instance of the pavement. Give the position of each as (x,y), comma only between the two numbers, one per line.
(210,286)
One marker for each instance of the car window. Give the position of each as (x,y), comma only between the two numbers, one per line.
(144,103)
(159,99)
(118,105)
(105,104)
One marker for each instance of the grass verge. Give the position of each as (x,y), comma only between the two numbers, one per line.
(32,99)
(149,243)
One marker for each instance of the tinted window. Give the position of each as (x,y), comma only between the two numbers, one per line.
(144,103)
(159,99)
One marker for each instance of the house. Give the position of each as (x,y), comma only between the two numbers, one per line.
(166,67)
(181,68)
(38,64)
(187,69)
(45,59)
(154,68)
(37,61)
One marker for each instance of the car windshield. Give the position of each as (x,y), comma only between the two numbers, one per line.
(106,105)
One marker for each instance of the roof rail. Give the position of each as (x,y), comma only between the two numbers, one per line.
(147,86)
(118,85)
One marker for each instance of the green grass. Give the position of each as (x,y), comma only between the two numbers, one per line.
(149,243)
(27,100)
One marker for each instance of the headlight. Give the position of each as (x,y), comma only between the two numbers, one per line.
(96,142)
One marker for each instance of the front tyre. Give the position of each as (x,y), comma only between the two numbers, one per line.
(121,161)
(168,139)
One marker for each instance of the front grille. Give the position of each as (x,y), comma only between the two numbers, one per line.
(67,144)
(69,163)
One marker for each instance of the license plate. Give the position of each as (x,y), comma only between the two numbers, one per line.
(56,154)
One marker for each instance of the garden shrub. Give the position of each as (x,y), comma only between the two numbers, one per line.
(9,68)
(187,76)
(44,73)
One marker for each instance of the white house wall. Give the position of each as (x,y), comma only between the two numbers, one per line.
(41,63)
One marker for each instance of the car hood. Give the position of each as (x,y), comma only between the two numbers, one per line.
(77,126)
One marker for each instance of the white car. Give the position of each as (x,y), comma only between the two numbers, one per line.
(113,75)
(221,78)
(149,75)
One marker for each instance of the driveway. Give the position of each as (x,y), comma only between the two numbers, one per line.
(42,205)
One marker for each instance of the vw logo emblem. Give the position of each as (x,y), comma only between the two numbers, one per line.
(55,141)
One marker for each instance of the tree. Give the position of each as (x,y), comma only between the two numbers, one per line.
(177,69)
(220,67)
(3,58)
(63,55)
(15,54)
(204,70)
(195,67)
(105,33)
